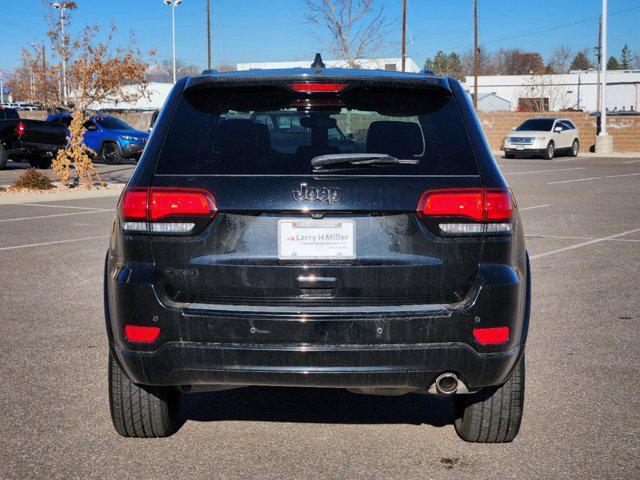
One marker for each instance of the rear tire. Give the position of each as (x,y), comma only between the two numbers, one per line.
(3,157)
(575,148)
(111,153)
(509,155)
(549,151)
(141,411)
(494,414)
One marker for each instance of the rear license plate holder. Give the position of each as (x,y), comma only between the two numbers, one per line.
(311,239)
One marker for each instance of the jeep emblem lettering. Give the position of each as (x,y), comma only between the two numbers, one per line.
(312,194)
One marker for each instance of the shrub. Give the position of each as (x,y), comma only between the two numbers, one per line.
(32,179)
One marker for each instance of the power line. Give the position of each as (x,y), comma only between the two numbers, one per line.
(551,29)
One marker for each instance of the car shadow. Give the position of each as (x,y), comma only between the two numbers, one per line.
(315,405)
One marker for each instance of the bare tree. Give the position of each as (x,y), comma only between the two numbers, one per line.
(99,72)
(358,27)
(487,62)
(225,66)
(560,59)
(539,93)
(163,71)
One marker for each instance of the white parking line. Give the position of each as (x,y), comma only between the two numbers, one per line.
(51,216)
(81,239)
(535,206)
(593,178)
(583,244)
(562,237)
(546,171)
(66,206)
(631,161)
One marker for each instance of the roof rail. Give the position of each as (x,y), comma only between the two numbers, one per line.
(426,72)
(208,71)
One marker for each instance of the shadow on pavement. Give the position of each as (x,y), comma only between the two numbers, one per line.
(315,405)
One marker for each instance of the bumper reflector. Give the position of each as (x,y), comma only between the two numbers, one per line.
(491,336)
(137,333)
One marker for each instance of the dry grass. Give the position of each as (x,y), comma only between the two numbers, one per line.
(32,179)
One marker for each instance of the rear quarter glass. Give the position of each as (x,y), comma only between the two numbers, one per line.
(272,130)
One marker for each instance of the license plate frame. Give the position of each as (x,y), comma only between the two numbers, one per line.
(314,241)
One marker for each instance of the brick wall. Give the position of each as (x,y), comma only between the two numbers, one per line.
(624,130)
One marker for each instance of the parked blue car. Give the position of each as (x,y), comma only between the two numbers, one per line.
(108,136)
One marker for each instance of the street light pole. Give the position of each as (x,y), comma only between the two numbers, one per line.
(604,143)
(61,6)
(603,88)
(173,4)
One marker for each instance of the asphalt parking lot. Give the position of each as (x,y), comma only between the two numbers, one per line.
(582,408)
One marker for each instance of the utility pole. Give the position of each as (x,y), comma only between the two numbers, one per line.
(604,143)
(1,86)
(475,54)
(404,35)
(599,61)
(44,74)
(209,34)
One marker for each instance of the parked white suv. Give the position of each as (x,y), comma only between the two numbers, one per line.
(543,136)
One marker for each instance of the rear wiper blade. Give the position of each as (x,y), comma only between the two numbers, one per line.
(358,160)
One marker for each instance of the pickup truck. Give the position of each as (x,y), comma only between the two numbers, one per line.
(35,141)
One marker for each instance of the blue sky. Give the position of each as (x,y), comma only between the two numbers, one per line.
(264,30)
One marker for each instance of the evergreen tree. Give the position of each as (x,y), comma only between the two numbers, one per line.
(613,64)
(626,58)
(581,61)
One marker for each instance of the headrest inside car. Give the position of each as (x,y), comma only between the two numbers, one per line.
(318,122)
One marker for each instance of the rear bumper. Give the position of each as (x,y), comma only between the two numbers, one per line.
(391,366)
(403,346)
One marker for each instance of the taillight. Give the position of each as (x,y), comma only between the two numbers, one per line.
(317,87)
(491,336)
(20,129)
(170,211)
(139,334)
(468,211)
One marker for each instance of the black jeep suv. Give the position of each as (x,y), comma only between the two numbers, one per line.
(396,266)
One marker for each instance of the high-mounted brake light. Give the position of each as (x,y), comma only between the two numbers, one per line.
(20,129)
(491,336)
(139,334)
(468,211)
(180,210)
(317,87)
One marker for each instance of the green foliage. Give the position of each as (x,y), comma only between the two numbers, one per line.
(613,64)
(581,61)
(446,64)
(32,179)
(626,58)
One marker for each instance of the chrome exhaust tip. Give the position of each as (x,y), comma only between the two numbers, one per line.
(447,383)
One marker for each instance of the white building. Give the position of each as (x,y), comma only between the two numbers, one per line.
(576,90)
(390,64)
(154,100)
(491,102)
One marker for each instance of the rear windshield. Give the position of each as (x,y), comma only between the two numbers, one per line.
(538,124)
(273,131)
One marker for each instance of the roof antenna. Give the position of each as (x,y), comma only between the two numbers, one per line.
(318,64)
